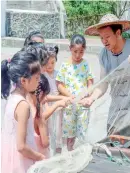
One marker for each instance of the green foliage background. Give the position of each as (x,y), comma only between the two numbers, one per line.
(83,8)
(83,13)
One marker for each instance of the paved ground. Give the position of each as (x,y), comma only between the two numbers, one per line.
(97,126)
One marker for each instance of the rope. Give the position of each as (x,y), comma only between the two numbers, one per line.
(124,161)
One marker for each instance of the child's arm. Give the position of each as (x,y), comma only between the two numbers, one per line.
(46,114)
(43,131)
(89,83)
(90,80)
(52,98)
(62,89)
(22,114)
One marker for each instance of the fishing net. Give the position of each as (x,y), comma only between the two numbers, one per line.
(67,162)
(115,104)
(108,115)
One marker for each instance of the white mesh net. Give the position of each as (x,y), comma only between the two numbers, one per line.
(73,161)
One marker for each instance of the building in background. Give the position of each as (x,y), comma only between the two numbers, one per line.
(20,17)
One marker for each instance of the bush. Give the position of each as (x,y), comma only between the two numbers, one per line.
(78,8)
(126,35)
(81,14)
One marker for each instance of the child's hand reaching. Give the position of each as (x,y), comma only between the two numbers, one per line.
(87,101)
(41,157)
(68,100)
(62,103)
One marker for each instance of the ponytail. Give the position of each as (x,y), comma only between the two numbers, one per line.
(26,41)
(52,51)
(56,49)
(38,108)
(42,87)
(5,79)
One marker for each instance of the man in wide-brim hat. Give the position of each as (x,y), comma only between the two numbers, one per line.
(116,50)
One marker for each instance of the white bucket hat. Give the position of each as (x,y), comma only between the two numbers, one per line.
(107,20)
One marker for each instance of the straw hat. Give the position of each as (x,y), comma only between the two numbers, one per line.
(108,19)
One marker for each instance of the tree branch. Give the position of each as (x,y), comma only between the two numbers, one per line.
(124,9)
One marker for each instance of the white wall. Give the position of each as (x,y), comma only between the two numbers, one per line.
(3,17)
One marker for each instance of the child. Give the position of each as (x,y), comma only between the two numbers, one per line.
(56,120)
(34,36)
(50,71)
(73,76)
(40,96)
(18,143)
